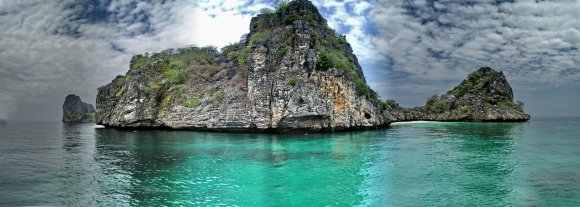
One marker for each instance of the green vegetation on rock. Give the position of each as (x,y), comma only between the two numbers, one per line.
(120,93)
(152,87)
(289,19)
(241,56)
(475,82)
(506,103)
(171,69)
(258,37)
(74,110)
(139,61)
(435,104)
(290,45)
(293,81)
(314,34)
(175,76)
(217,96)
(174,66)
(282,6)
(341,39)
(389,104)
(193,102)
(336,59)
(282,51)
(485,95)
(165,102)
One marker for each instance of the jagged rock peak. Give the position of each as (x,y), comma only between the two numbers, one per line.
(74,110)
(484,96)
(486,82)
(292,73)
(302,7)
(299,24)
(287,14)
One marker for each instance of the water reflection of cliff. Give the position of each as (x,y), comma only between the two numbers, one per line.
(81,176)
(459,164)
(197,168)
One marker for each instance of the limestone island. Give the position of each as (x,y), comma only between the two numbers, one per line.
(292,73)
(484,96)
(74,110)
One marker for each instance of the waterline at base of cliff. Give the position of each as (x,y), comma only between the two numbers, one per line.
(419,164)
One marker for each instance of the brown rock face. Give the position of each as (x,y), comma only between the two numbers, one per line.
(484,96)
(291,74)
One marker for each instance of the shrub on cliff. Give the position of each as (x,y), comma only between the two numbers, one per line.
(475,82)
(193,102)
(435,104)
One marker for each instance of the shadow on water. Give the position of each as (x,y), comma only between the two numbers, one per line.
(79,175)
(72,135)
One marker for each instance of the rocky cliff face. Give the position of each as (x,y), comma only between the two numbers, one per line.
(292,73)
(484,96)
(74,110)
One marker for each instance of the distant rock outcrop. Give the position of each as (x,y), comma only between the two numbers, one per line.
(292,73)
(75,111)
(2,122)
(484,96)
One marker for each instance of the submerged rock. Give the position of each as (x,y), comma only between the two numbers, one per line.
(2,122)
(74,110)
(484,96)
(291,73)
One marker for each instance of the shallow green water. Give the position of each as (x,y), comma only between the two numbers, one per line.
(429,164)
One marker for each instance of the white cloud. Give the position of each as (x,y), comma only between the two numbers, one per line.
(531,41)
(48,49)
(356,20)
(213,30)
(430,47)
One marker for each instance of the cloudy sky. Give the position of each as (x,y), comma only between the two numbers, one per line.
(409,49)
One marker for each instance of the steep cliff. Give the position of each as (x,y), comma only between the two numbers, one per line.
(292,73)
(74,110)
(484,96)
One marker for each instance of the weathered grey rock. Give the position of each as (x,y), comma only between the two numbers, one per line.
(269,82)
(484,96)
(74,110)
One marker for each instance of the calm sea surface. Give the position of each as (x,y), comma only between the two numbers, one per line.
(422,164)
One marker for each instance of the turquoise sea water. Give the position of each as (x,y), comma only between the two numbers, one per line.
(422,164)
